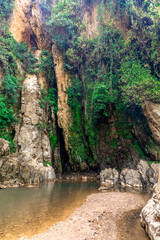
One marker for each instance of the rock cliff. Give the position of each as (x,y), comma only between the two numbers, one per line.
(32,140)
(152,113)
(33,144)
(150,216)
(113,150)
(63,82)
(150,213)
(119,146)
(19,25)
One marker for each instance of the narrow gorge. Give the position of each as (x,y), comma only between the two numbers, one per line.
(80,95)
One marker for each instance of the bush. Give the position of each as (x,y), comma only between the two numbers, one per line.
(7,116)
(137,84)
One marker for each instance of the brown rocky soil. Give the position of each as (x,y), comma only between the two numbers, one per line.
(96,219)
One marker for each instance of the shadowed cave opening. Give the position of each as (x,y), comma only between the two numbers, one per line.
(66,167)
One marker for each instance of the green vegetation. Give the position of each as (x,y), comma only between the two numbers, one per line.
(150,162)
(47,163)
(137,84)
(6,7)
(109,72)
(11,53)
(113,71)
(46,67)
(139,149)
(48,128)
(49,99)
(6,114)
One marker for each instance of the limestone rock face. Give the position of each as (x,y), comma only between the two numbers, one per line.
(143,167)
(30,139)
(152,113)
(19,25)
(9,170)
(147,174)
(90,18)
(36,23)
(109,176)
(156,167)
(26,24)
(151,212)
(143,176)
(130,178)
(150,216)
(63,82)
(33,142)
(35,173)
(4,147)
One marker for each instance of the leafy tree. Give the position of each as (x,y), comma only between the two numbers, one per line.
(137,84)
(102,96)
(6,114)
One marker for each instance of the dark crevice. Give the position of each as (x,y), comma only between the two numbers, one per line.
(33,41)
(63,153)
(64,157)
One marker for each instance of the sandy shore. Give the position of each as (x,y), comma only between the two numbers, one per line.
(96,219)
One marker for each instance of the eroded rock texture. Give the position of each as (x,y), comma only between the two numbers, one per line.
(20,26)
(143,176)
(63,81)
(150,216)
(27,166)
(4,147)
(152,113)
(109,176)
(9,171)
(33,145)
(32,140)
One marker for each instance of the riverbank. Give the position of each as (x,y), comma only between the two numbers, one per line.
(96,219)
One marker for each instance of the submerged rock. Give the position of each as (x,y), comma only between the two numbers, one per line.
(150,216)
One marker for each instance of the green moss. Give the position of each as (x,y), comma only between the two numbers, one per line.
(150,162)
(47,163)
(139,149)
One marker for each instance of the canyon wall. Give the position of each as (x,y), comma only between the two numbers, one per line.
(27,24)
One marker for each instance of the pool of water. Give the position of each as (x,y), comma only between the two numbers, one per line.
(28,211)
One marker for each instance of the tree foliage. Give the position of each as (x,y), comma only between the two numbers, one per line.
(137,84)
(109,69)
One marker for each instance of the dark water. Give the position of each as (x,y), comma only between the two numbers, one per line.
(28,211)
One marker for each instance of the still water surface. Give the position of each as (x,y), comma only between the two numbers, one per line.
(28,211)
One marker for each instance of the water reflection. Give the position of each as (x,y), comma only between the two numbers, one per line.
(28,211)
